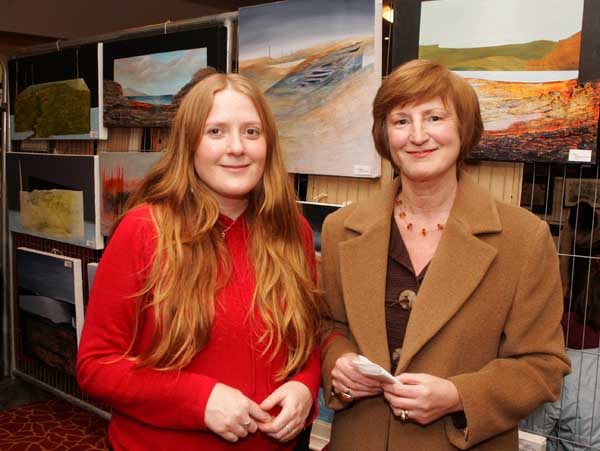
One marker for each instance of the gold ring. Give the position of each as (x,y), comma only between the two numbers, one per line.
(346,395)
(403,415)
(246,425)
(289,429)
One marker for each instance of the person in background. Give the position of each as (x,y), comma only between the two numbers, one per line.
(456,294)
(579,239)
(203,324)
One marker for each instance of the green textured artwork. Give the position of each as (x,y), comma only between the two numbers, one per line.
(57,108)
(57,213)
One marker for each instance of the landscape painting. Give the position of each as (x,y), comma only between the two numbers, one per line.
(523,59)
(58,95)
(146,78)
(50,308)
(156,78)
(55,197)
(319,65)
(121,174)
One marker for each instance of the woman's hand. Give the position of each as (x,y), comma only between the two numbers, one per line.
(232,415)
(422,398)
(347,379)
(295,400)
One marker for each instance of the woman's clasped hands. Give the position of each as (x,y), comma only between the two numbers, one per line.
(232,415)
(422,398)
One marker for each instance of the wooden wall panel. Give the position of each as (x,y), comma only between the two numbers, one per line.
(503,180)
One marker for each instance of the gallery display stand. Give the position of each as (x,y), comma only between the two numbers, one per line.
(5,301)
(55,379)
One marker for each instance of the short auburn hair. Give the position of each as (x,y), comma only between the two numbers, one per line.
(419,81)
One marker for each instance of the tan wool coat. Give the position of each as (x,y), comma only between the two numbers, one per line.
(487,317)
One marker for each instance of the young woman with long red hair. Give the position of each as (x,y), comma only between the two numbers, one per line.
(201,331)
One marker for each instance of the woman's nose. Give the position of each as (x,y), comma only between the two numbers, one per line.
(418,134)
(235,144)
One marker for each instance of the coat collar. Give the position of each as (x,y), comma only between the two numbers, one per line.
(456,269)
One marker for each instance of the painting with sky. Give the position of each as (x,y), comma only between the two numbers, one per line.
(155,78)
(318,63)
(522,58)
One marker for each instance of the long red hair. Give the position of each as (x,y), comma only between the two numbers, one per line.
(184,277)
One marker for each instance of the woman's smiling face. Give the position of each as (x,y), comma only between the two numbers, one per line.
(424,139)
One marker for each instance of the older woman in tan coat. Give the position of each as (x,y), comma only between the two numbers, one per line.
(454,293)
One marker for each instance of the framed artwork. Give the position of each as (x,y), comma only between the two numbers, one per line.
(50,307)
(55,197)
(319,65)
(582,190)
(537,195)
(540,100)
(121,174)
(146,78)
(57,95)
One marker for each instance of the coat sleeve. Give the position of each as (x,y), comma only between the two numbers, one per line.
(531,360)
(336,337)
(105,367)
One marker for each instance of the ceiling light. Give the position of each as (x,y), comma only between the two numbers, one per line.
(388,13)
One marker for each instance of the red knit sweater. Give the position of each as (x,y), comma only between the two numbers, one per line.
(164,410)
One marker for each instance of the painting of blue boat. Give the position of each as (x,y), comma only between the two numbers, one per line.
(317,62)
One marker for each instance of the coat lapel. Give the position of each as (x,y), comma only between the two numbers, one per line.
(458,266)
(363,269)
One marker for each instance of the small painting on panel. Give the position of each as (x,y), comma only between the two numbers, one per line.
(121,174)
(58,95)
(55,197)
(145,79)
(50,307)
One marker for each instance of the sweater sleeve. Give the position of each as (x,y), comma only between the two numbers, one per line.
(531,360)
(106,368)
(310,375)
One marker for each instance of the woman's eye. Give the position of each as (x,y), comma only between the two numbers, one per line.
(401,122)
(214,131)
(253,132)
(435,118)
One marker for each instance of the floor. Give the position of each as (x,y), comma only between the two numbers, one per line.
(15,392)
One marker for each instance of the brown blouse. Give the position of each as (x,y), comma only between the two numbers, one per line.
(401,287)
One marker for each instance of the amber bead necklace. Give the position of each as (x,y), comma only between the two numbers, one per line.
(409,225)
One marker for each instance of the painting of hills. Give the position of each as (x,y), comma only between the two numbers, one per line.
(148,89)
(316,64)
(157,77)
(561,55)
(523,60)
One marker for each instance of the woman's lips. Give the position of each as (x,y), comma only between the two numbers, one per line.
(235,167)
(420,153)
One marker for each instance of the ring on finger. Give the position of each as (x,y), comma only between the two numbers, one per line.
(403,415)
(346,395)
(246,425)
(289,429)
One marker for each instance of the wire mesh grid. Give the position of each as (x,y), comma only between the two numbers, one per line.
(567,197)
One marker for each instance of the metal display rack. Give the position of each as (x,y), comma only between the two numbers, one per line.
(51,379)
